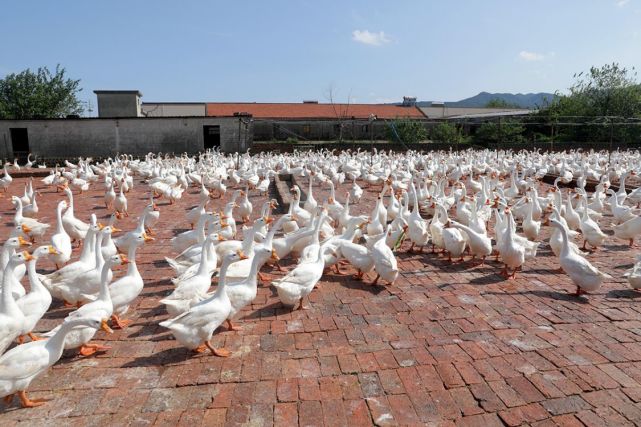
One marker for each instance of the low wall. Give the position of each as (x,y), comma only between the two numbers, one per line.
(99,137)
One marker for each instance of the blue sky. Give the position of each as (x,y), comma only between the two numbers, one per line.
(277,50)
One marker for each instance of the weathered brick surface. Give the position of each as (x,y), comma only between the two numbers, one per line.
(448,344)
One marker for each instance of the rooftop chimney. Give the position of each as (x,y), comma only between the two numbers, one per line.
(409,101)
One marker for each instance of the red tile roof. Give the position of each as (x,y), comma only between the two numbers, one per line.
(312,110)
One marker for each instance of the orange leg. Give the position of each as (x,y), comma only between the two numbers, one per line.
(90,349)
(34,337)
(233,327)
(220,352)
(200,349)
(28,403)
(119,324)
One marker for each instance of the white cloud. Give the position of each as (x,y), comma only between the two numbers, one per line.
(622,3)
(372,39)
(531,56)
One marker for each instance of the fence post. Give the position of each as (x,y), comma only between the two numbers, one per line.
(611,131)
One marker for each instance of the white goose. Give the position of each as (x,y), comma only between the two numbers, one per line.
(584,275)
(101,308)
(6,180)
(69,272)
(12,320)
(385,263)
(245,207)
(591,231)
(512,253)
(310,204)
(36,303)
(23,364)
(33,228)
(242,292)
(60,240)
(454,241)
(194,328)
(75,228)
(480,244)
(634,274)
(126,289)
(192,288)
(9,250)
(299,282)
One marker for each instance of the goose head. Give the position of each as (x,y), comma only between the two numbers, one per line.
(45,250)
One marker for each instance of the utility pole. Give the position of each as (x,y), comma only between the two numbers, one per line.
(240,120)
(611,131)
(371,119)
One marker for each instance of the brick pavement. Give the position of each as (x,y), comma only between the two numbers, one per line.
(448,344)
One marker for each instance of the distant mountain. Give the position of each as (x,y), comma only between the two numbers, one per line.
(523,100)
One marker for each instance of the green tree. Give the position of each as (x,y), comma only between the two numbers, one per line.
(39,94)
(597,101)
(406,130)
(445,132)
(506,131)
(500,103)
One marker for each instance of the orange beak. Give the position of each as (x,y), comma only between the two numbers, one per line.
(26,228)
(23,242)
(241,254)
(28,256)
(275,256)
(147,237)
(124,259)
(53,250)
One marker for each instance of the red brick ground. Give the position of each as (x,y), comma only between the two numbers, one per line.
(449,344)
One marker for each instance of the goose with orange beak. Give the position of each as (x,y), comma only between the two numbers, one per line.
(24,363)
(8,250)
(31,227)
(101,307)
(36,303)
(194,328)
(12,321)
(126,289)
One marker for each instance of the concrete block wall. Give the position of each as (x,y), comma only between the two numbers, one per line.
(58,138)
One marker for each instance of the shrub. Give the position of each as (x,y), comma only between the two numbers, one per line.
(445,132)
(406,130)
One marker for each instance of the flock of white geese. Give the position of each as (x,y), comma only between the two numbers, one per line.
(477,203)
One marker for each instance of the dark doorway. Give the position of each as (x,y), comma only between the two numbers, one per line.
(211,137)
(19,142)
